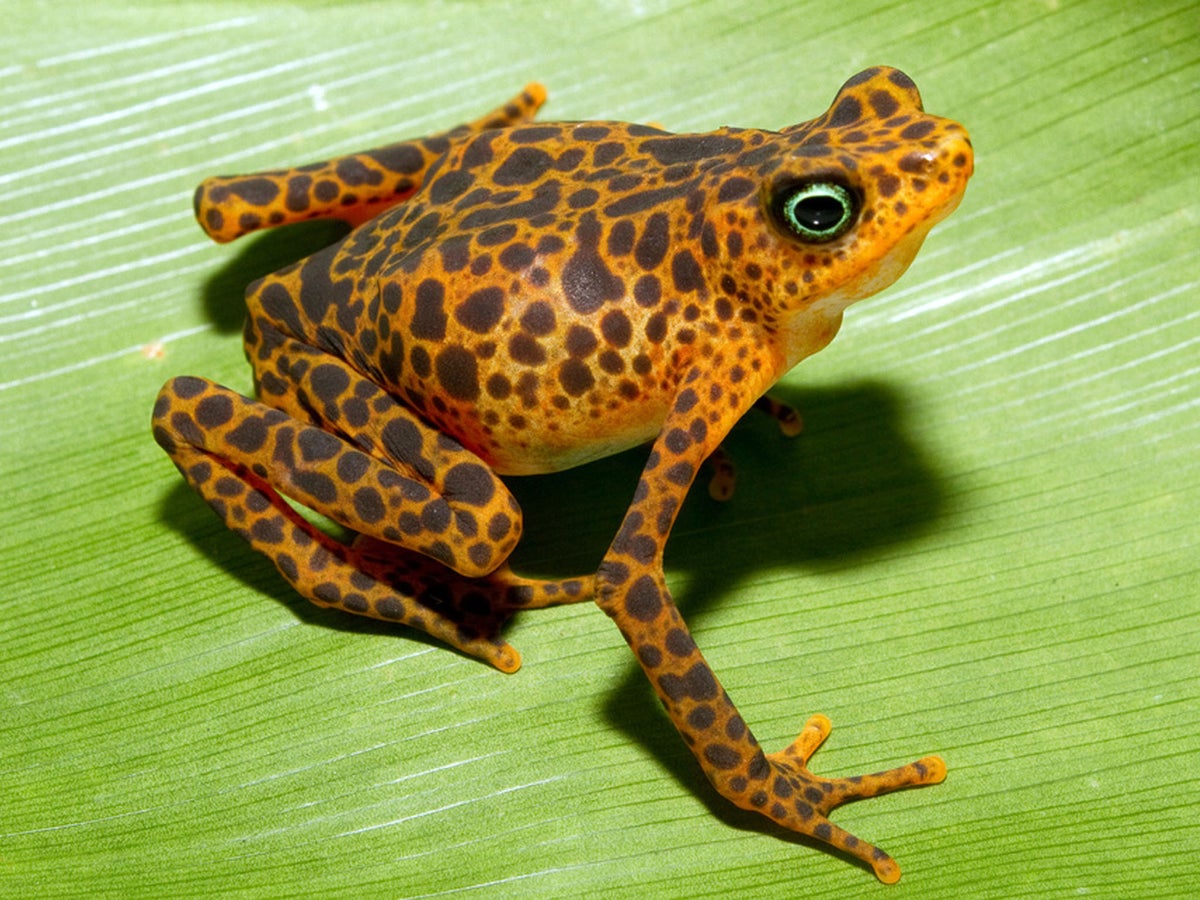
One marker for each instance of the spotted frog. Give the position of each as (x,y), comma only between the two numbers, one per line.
(520,298)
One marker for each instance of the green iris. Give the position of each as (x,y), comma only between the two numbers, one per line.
(817,211)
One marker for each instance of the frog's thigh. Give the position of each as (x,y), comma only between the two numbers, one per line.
(397,586)
(326,391)
(442,515)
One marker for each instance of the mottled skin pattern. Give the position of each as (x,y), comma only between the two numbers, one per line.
(522,298)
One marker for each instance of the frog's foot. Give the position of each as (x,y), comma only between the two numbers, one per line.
(800,801)
(723,481)
(788,417)
(724,475)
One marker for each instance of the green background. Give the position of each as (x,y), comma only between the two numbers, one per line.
(985,544)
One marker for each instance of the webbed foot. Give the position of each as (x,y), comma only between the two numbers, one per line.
(801,801)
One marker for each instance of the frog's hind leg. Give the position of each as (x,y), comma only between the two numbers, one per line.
(352,188)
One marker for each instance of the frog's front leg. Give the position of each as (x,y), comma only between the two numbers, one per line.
(631,588)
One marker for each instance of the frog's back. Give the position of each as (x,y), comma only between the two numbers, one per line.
(541,292)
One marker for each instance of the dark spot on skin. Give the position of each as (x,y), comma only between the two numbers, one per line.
(545,198)
(702,718)
(590,133)
(329,382)
(226,486)
(650,656)
(686,272)
(318,486)
(299,188)
(647,291)
(656,327)
(587,281)
(458,372)
(621,237)
(499,527)
(277,304)
(735,728)
(899,79)
(734,188)
(481,310)
(606,153)
(404,158)
(884,104)
(255,191)
(679,643)
(847,112)
(581,341)
(698,683)
(524,165)
(498,386)
(575,377)
(455,252)
(538,318)
(524,349)
(583,198)
(917,130)
(402,441)
(644,600)
(516,257)
(355,603)
(494,237)
(429,316)
(469,483)
(888,184)
(214,411)
(722,757)
(449,186)
(368,505)
(677,440)
(436,515)
(533,134)
(640,201)
(317,445)
(681,473)
(690,148)
(353,172)
(249,436)
(267,531)
(352,466)
(421,362)
(390,608)
(616,328)
(610,361)
(651,247)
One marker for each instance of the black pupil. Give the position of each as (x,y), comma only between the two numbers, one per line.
(819,213)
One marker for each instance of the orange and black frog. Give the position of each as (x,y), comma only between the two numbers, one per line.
(518,298)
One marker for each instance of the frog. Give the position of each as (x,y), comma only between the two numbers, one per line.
(517,297)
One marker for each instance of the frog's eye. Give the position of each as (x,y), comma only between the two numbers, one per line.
(817,211)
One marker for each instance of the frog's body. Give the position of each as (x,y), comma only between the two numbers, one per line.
(522,298)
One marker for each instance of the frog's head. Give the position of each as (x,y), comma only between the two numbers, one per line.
(849,197)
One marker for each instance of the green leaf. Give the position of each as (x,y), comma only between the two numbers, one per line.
(985,544)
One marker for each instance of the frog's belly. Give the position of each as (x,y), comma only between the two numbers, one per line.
(559,441)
